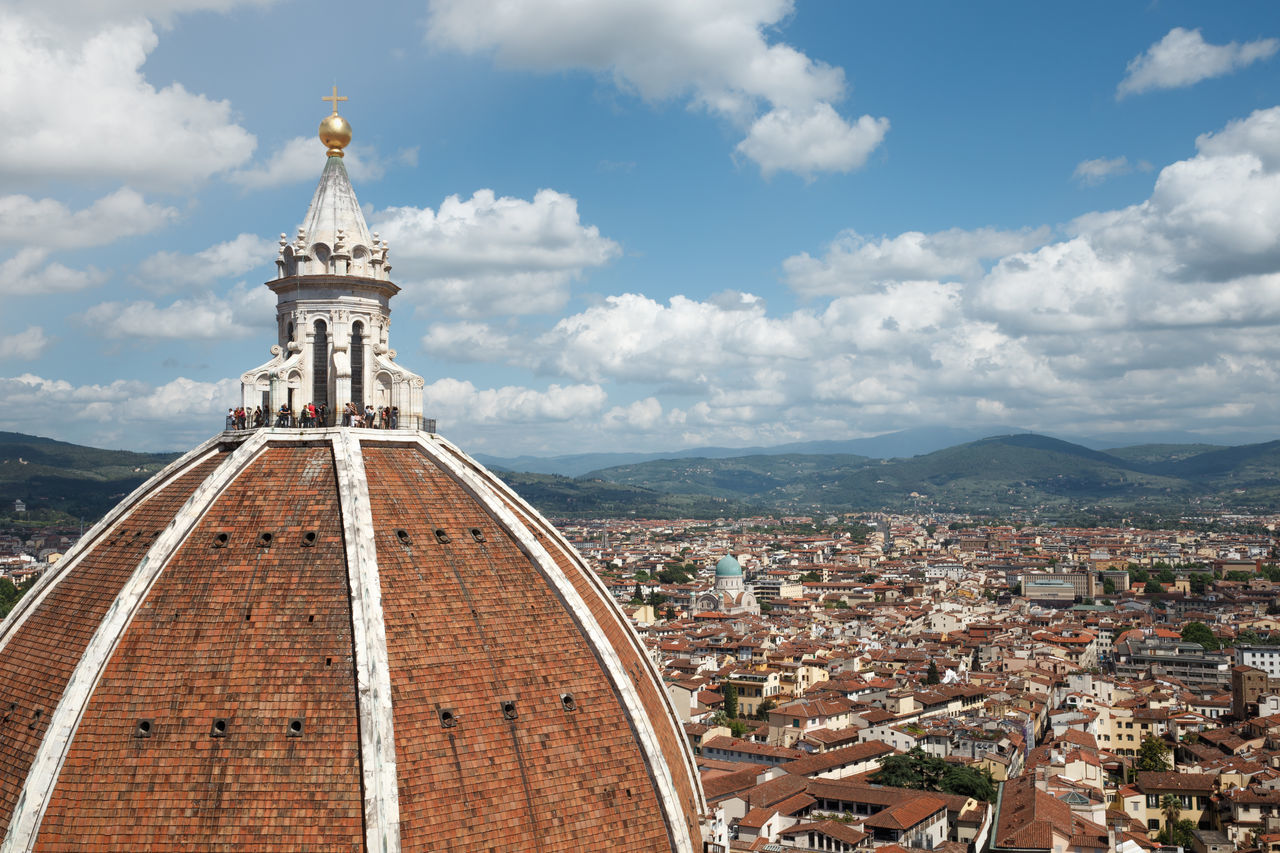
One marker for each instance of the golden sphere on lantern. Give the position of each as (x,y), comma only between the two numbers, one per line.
(335,133)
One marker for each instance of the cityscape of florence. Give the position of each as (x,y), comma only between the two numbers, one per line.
(805,427)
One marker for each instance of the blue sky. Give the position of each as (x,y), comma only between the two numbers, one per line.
(655,224)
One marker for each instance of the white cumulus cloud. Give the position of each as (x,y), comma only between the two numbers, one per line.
(1097,170)
(1203,250)
(640,416)
(459,401)
(1183,58)
(714,53)
(854,263)
(815,141)
(1163,315)
(49,223)
(685,341)
(30,272)
(207,316)
(492,254)
(73,16)
(27,345)
(169,271)
(123,413)
(64,89)
(467,341)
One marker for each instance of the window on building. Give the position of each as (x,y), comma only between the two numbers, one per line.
(1153,825)
(1153,802)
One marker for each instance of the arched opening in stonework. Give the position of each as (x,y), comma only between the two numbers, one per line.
(359,261)
(262,386)
(382,389)
(320,364)
(320,265)
(357,364)
(294,384)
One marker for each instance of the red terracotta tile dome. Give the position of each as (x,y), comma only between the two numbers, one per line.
(333,639)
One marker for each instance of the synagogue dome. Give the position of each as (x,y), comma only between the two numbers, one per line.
(728,567)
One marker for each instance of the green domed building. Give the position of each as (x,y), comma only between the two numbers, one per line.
(730,594)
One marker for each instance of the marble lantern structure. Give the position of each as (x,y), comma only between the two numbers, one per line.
(334,639)
(333,317)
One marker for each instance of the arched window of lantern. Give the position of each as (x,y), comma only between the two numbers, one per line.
(320,365)
(357,363)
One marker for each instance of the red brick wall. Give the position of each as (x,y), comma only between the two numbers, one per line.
(470,624)
(256,636)
(38,661)
(670,739)
(653,702)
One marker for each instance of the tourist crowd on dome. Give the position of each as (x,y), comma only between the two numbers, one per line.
(310,416)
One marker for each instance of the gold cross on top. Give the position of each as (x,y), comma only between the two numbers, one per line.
(335,98)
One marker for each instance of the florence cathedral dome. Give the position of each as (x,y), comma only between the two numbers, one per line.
(333,638)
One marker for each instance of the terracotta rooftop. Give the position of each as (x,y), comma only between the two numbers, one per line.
(905,815)
(824,761)
(830,828)
(1196,782)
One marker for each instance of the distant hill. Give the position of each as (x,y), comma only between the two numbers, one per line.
(552,494)
(907,442)
(992,475)
(1023,471)
(68,479)
(904,443)
(1156,453)
(755,480)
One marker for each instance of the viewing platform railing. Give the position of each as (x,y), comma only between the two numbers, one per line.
(293,421)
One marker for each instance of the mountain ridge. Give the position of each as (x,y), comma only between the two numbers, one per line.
(1017,472)
(904,443)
